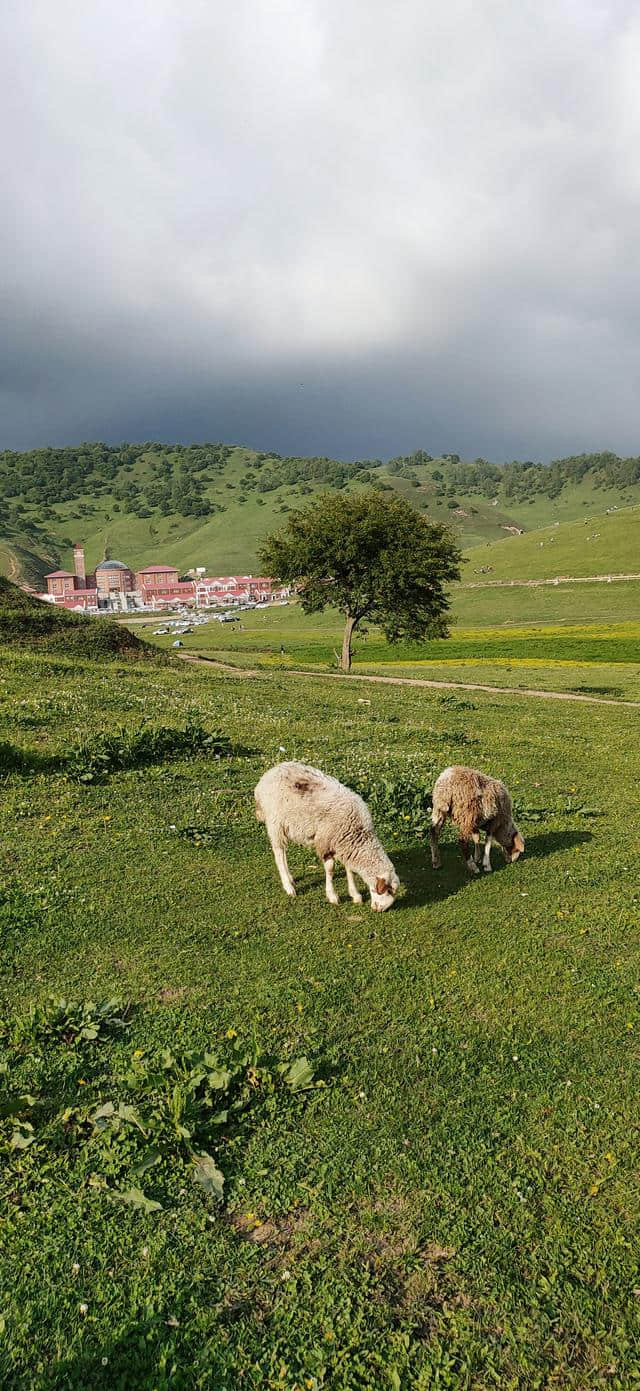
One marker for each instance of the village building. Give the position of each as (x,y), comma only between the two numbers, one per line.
(211,592)
(156,578)
(76,590)
(114,577)
(115,587)
(159,586)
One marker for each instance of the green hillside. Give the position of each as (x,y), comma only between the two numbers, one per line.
(211,504)
(595,545)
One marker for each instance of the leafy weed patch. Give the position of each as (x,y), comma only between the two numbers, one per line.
(93,760)
(158,1117)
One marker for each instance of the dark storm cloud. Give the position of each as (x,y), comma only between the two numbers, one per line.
(322,227)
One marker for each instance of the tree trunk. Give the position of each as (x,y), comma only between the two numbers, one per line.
(349,626)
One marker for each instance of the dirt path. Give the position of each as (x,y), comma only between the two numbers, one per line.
(13,568)
(407,681)
(557,579)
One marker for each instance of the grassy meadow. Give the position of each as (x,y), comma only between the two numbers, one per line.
(423,1126)
(589,657)
(254,1142)
(594,545)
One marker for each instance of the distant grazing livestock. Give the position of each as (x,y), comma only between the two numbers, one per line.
(475,803)
(308,807)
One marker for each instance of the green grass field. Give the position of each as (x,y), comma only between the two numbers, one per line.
(582,637)
(456,1204)
(419,1131)
(599,658)
(562,604)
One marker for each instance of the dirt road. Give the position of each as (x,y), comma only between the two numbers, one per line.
(557,579)
(407,681)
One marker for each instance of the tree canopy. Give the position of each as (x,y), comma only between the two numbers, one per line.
(372,556)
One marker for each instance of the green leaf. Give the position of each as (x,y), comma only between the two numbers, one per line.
(103,1111)
(219,1080)
(209,1176)
(104,1114)
(150,1158)
(22,1138)
(129,1113)
(15,1104)
(135,1198)
(300,1075)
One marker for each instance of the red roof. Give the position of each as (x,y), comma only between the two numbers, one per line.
(59,575)
(158,569)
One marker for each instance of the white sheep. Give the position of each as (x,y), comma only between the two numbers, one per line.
(475,803)
(303,805)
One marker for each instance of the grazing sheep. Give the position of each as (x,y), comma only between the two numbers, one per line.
(475,803)
(306,806)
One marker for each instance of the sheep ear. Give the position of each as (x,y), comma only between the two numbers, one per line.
(382,887)
(518,842)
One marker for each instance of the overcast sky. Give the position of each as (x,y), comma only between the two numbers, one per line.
(343,227)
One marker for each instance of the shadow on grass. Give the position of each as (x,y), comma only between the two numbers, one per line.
(550,842)
(27,761)
(137,1358)
(613,691)
(423,884)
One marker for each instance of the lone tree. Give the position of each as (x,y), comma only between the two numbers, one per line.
(372,556)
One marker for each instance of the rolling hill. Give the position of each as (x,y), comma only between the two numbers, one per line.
(210,504)
(608,543)
(30,624)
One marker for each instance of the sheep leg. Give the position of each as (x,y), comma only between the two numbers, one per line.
(354,892)
(278,845)
(486,863)
(329,866)
(477,853)
(436,827)
(467,856)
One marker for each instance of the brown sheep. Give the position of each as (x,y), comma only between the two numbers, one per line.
(475,803)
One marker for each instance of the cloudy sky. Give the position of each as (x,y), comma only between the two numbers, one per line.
(343,227)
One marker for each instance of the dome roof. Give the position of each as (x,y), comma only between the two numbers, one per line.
(111,565)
